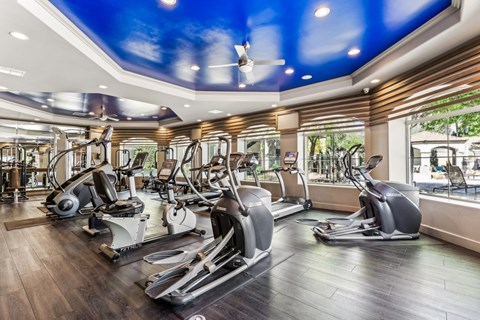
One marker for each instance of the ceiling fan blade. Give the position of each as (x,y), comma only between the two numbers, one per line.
(113,119)
(224,65)
(81,114)
(240,50)
(112,115)
(250,76)
(277,62)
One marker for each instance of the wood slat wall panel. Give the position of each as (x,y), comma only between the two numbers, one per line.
(403,95)
(437,65)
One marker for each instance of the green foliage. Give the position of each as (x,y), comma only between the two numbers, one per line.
(150,163)
(465,125)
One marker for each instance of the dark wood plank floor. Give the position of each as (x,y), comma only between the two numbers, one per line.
(53,272)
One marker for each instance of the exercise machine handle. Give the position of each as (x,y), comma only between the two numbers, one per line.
(243,209)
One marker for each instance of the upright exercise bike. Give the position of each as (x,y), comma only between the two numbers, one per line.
(389,210)
(242,224)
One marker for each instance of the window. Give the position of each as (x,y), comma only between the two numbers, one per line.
(179,145)
(326,141)
(445,147)
(134,146)
(324,153)
(264,143)
(210,144)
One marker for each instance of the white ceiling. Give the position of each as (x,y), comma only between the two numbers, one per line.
(59,58)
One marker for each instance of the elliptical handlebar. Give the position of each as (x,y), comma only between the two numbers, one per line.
(187,158)
(347,163)
(226,158)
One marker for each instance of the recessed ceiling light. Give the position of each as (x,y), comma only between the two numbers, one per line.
(169,2)
(375,81)
(36,119)
(19,35)
(155,117)
(121,99)
(44,106)
(194,67)
(91,113)
(242,85)
(274,105)
(353,51)
(102,86)
(12,72)
(164,108)
(186,105)
(322,12)
(215,111)
(307,77)
(289,71)
(129,118)
(50,100)
(229,114)
(199,120)
(3,88)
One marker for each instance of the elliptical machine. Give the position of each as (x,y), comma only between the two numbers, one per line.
(242,224)
(69,197)
(389,210)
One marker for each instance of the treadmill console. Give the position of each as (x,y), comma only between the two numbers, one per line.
(290,158)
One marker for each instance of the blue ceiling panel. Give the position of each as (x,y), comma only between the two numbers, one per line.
(81,104)
(162,42)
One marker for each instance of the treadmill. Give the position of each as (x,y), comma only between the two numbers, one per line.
(192,198)
(287,205)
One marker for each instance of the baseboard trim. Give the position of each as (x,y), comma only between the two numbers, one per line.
(334,207)
(451,237)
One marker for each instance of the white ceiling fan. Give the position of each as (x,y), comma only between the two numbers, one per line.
(102,116)
(246,64)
